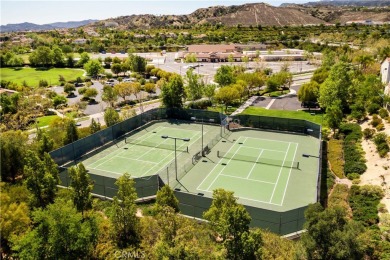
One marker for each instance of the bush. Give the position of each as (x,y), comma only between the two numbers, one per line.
(376,121)
(368,133)
(335,157)
(199,104)
(373,108)
(353,153)
(383,113)
(364,201)
(380,127)
(353,176)
(380,138)
(339,197)
(43,83)
(383,149)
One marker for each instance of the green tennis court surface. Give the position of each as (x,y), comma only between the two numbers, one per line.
(146,152)
(263,169)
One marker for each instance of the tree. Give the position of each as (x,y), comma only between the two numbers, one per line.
(230,221)
(224,75)
(245,59)
(227,95)
(116,68)
(166,198)
(81,186)
(334,116)
(209,91)
(190,58)
(309,92)
(252,80)
(124,221)
(71,133)
(137,63)
(94,126)
(173,92)
(41,178)
(59,232)
(110,95)
(58,56)
(331,236)
(13,148)
(15,218)
(93,68)
(90,94)
(123,89)
(111,117)
(194,87)
(84,59)
(42,56)
(150,87)
(336,86)
(69,88)
(45,143)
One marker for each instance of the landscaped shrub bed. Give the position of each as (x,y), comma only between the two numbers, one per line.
(339,197)
(353,152)
(335,157)
(364,202)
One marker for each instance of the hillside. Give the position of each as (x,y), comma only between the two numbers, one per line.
(246,15)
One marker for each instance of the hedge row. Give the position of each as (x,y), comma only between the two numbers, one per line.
(353,152)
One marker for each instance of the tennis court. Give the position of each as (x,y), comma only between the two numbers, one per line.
(264,169)
(144,153)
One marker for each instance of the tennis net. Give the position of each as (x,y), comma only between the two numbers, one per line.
(156,145)
(247,158)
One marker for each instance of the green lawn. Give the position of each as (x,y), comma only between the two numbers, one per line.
(259,111)
(33,75)
(45,120)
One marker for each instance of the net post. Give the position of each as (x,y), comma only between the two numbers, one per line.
(187,149)
(218,154)
(297,165)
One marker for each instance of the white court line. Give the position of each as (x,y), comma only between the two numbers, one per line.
(153,148)
(261,201)
(219,162)
(164,165)
(272,140)
(285,189)
(121,151)
(223,168)
(254,165)
(221,174)
(128,158)
(258,148)
(281,168)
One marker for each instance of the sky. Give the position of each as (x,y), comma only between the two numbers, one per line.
(42,12)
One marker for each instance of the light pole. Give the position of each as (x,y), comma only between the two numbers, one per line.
(210,120)
(175,138)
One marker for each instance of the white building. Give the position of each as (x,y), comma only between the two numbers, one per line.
(385,71)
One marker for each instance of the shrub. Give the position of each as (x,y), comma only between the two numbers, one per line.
(380,127)
(383,149)
(82,90)
(43,83)
(353,153)
(356,181)
(353,176)
(383,113)
(376,121)
(382,208)
(199,104)
(339,197)
(373,108)
(335,157)
(364,201)
(368,133)
(380,138)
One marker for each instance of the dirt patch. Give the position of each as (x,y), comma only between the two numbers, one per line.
(376,173)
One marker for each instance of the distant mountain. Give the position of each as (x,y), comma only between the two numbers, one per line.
(37,27)
(360,3)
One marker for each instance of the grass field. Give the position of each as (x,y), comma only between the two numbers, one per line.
(32,75)
(259,111)
(45,120)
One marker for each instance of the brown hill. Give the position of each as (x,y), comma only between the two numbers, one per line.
(245,15)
